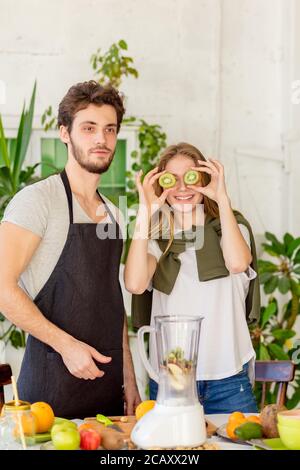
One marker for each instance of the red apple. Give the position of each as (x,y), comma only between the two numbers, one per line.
(89,439)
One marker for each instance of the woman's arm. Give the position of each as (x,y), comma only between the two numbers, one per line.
(236,252)
(140,265)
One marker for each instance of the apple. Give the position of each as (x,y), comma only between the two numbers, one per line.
(63,421)
(62,425)
(89,439)
(65,437)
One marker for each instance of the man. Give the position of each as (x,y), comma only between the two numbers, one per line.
(60,281)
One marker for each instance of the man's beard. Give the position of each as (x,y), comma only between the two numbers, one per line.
(92,167)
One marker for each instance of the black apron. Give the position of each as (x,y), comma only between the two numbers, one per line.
(82,297)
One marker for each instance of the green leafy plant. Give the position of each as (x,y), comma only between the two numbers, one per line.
(48,120)
(110,69)
(152,140)
(112,66)
(13,177)
(272,336)
(12,334)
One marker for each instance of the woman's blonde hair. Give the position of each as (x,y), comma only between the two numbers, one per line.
(210,206)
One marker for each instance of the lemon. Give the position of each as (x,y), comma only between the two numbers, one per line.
(143,408)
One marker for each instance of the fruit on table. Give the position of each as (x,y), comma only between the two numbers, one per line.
(44,416)
(235,419)
(85,426)
(191,177)
(143,408)
(112,440)
(89,439)
(248,430)
(64,420)
(62,425)
(268,418)
(167,180)
(253,419)
(238,419)
(65,437)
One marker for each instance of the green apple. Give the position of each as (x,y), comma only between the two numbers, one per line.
(61,426)
(63,420)
(65,438)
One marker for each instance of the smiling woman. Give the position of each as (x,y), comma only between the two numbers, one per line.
(194,255)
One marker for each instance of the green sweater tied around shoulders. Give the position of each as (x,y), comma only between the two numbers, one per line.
(210,264)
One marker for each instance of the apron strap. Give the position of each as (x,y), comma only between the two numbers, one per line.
(107,208)
(67,186)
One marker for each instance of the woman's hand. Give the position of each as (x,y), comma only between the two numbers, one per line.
(216,189)
(146,191)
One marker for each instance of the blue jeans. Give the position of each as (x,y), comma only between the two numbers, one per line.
(222,396)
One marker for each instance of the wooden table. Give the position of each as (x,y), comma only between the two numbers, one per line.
(216,419)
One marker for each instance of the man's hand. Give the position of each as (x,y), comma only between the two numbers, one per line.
(79,358)
(131,396)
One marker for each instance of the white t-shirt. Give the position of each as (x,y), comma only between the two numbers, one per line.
(225,344)
(43,209)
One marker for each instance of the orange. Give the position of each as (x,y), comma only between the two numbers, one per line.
(44,415)
(85,426)
(235,419)
(143,408)
(230,430)
(236,416)
(253,419)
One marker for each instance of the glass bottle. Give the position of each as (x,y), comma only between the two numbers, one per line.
(16,418)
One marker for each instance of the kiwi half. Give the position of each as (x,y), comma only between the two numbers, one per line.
(167,180)
(191,177)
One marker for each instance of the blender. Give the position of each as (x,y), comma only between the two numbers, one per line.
(177,419)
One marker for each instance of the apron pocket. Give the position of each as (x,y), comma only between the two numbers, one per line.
(71,397)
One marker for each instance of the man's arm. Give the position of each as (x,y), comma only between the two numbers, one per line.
(132,397)
(17,247)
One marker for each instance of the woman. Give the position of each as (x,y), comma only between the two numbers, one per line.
(212,279)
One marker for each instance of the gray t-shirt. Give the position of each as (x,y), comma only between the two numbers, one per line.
(43,209)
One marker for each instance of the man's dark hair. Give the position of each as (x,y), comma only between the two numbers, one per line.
(79,96)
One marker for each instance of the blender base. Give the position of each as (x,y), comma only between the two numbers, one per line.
(170,426)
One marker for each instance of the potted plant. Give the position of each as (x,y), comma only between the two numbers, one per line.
(14,175)
(272,336)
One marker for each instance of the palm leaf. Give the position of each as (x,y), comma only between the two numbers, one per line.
(19,142)
(5,179)
(23,138)
(3,145)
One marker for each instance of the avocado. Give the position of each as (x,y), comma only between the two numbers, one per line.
(247,431)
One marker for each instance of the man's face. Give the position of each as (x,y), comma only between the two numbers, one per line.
(93,137)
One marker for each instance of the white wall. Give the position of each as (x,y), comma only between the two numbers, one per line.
(212,72)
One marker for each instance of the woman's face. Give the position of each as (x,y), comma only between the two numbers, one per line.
(181,197)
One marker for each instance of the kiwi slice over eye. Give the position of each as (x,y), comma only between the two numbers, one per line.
(191,177)
(167,180)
